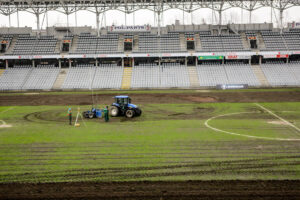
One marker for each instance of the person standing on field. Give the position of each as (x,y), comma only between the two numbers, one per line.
(70,115)
(106,114)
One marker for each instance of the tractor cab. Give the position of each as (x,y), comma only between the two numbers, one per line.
(123,106)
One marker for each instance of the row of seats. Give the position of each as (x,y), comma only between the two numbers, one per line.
(151,75)
(90,77)
(234,73)
(165,76)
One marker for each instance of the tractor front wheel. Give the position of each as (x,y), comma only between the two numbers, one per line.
(114,111)
(129,113)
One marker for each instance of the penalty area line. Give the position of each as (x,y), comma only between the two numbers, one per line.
(271,113)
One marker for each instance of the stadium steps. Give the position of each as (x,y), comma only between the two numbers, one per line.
(121,43)
(12,45)
(58,46)
(1,71)
(135,47)
(74,44)
(260,75)
(245,42)
(198,45)
(60,79)
(261,43)
(126,81)
(193,75)
(182,42)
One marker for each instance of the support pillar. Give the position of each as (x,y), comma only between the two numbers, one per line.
(196,60)
(185,61)
(250,16)
(287,60)
(70,63)
(33,63)
(249,61)
(158,22)
(260,60)
(38,22)
(97,64)
(132,62)
(122,62)
(59,63)
(220,17)
(18,21)
(98,23)
(281,20)
(6,64)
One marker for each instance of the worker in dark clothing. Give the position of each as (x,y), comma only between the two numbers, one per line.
(70,115)
(106,114)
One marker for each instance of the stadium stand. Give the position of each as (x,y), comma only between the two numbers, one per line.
(79,77)
(108,76)
(91,44)
(145,76)
(42,77)
(211,74)
(31,45)
(14,78)
(279,74)
(151,43)
(174,75)
(278,50)
(273,40)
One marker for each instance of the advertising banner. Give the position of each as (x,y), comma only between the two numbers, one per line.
(144,28)
(231,86)
(210,57)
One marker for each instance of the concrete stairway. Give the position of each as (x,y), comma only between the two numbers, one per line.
(193,75)
(58,45)
(121,43)
(74,44)
(12,45)
(182,42)
(261,43)
(60,79)
(198,45)
(260,75)
(1,71)
(135,47)
(245,42)
(126,81)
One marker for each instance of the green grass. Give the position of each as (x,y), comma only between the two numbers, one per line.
(168,142)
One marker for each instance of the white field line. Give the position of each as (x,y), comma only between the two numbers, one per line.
(3,122)
(8,109)
(285,121)
(237,134)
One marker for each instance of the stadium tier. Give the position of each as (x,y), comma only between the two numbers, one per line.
(180,57)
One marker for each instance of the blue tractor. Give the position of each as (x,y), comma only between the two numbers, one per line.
(123,107)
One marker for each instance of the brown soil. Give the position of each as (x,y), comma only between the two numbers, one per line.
(196,97)
(154,190)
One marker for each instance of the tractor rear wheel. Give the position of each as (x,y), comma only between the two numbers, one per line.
(114,111)
(129,113)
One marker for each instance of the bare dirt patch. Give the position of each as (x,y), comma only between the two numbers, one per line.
(278,122)
(193,97)
(154,190)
